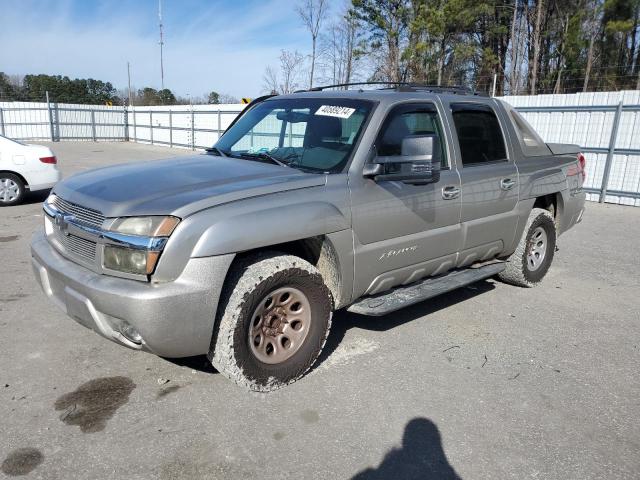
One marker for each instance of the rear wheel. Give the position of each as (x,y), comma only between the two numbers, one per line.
(12,189)
(273,320)
(530,262)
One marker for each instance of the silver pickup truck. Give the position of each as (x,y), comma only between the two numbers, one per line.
(369,200)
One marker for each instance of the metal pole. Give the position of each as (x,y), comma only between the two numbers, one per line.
(1,123)
(129,79)
(493,89)
(219,124)
(135,131)
(170,129)
(612,149)
(193,133)
(151,125)
(50,116)
(126,124)
(93,124)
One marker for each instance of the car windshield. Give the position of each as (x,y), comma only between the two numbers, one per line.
(311,134)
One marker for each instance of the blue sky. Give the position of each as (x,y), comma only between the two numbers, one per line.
(209,44)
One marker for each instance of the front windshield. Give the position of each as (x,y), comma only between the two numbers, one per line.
(312,134)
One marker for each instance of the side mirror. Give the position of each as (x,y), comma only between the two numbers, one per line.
(418,164)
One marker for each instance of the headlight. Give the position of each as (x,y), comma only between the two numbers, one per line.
(139,262)
(145,233)
(146,226)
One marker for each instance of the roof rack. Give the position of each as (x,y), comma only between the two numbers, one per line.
(404,87)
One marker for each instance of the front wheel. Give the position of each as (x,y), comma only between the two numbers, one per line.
(530,262)
(273,320)
(12,189)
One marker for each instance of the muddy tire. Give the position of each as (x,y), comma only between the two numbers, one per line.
(12,189)
(273,320)
(530,262)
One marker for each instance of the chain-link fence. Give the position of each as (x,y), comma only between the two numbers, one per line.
(605,125)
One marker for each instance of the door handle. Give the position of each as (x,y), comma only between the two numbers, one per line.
(450,192)
(507,183)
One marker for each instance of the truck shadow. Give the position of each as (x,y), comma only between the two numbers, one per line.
(344,320)
(420,456)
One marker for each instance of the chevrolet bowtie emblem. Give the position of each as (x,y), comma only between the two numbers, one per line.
(62,222)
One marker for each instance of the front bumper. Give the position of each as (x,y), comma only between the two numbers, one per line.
(175,319)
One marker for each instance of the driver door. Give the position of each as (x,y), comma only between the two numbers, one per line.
(404,232)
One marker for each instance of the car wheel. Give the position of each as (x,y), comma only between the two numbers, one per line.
(12,189)
(273,320)
(530,262)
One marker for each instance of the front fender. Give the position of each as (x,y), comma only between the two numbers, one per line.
(269,227)
(254,223)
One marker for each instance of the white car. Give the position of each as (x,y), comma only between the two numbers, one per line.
(25,167)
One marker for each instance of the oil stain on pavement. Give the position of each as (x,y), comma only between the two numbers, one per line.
(94,402)
(21,462)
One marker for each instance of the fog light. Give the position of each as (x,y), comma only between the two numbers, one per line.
(138,262)
(130,333)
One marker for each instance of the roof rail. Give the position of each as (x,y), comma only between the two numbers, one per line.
(403,87)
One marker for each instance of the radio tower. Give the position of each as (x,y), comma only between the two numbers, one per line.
(161,44)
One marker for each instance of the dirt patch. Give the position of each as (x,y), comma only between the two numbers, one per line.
(94,402)
(21,461)
(10,238)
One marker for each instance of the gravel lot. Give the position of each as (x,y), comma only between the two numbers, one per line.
(491,381)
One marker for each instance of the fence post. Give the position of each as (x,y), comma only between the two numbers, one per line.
(50,117)
(1,123)
(135,131)
(151,125)
(612,149)
(93,125)
(170,129)
(193,138)
(126,124)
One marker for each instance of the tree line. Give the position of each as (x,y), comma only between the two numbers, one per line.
(62,89)
(528,46)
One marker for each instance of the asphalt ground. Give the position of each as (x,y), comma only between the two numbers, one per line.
(488,382)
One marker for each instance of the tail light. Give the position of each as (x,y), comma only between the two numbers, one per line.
(48,160)
(582,165)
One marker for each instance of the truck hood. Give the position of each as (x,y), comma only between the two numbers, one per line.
(179,186)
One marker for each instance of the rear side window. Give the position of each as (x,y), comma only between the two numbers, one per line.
(479,134)
(531,143)
(408,120)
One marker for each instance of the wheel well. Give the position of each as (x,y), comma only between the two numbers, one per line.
(319,252)
(548,202)
(17,175)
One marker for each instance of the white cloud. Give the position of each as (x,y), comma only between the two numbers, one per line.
(209,50)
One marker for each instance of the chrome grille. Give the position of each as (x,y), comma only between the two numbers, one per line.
(74,245)
(83,215)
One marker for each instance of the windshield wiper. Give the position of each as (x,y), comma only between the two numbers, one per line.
(217,151)
(265,156)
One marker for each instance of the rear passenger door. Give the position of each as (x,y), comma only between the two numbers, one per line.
(489,180)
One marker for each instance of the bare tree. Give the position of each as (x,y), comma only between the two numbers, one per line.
(270,80)
(537,33)
(312,13)
(339,47)
(287,79)
(290,66)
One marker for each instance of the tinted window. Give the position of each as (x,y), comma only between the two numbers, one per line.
(479,134)
(407,120)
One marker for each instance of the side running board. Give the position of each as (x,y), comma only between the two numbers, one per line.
(404,296)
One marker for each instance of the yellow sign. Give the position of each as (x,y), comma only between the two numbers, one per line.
(245,101)
(109,103)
